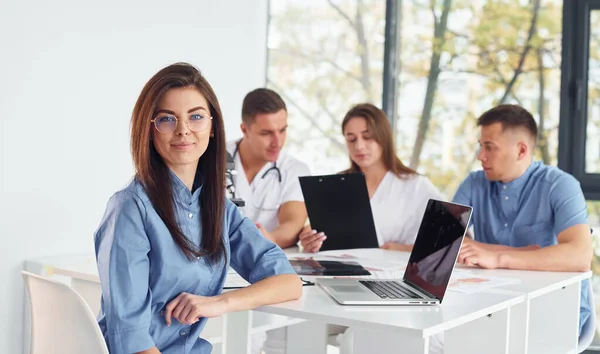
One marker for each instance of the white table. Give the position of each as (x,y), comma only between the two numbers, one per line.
(410,326)
(510,319)
(548,296)
(533,326)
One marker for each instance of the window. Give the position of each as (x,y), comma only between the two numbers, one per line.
(579,151)
(592,149)
(455,59)
(324,57)
(459,59)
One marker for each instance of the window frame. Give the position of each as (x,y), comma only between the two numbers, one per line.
(572,135)
(391,60)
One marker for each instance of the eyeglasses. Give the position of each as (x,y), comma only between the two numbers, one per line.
(168,123)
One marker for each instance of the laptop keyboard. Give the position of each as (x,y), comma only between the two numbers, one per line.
(390,290)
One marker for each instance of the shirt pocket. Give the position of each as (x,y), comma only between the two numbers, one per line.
(539,233)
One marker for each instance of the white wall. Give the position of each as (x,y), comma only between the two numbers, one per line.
(70,72)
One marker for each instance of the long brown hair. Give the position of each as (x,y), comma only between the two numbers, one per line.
(381,130)
(154,174)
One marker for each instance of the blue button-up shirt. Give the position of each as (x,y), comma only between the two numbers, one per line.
(142,269)
(532,209)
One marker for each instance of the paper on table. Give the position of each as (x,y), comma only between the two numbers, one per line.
(234,280)
(363,253)
(467,282)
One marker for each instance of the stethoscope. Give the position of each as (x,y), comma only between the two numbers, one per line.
(272,168)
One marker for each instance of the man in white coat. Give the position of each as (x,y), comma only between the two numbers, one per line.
(267,180)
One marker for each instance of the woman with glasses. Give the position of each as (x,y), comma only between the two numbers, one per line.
(166,241)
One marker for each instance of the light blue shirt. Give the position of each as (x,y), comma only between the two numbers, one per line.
(533,209)
(142,269)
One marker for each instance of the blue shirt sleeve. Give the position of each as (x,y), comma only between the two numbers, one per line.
(252,255)
(568,203)
(122,248)
(464,196)
(464,193)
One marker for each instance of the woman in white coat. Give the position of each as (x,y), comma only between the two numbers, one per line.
(397,193)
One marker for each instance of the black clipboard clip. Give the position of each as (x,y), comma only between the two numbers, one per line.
(307,282)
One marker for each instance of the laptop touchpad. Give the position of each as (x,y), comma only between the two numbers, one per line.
(347,288)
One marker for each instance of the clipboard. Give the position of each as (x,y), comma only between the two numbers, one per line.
(339,206)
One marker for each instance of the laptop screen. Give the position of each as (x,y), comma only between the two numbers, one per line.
(437,245)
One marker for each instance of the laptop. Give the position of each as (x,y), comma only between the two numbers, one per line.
(339,206)
(429,268)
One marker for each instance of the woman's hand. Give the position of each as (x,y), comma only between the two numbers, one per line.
(189,308)
(311,240)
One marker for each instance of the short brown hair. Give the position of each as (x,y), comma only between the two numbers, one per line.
(511,117)
(260,101)
(380,127)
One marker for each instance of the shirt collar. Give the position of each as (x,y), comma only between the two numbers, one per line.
(182,192)
(516,186)
(241,175)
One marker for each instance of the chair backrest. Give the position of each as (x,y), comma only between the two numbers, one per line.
(588,332)
(61,321)
(589,328)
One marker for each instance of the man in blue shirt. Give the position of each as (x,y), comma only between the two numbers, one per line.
(526,215)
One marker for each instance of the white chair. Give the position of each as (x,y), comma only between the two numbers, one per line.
(588,332)
(61,321)
(589,328)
